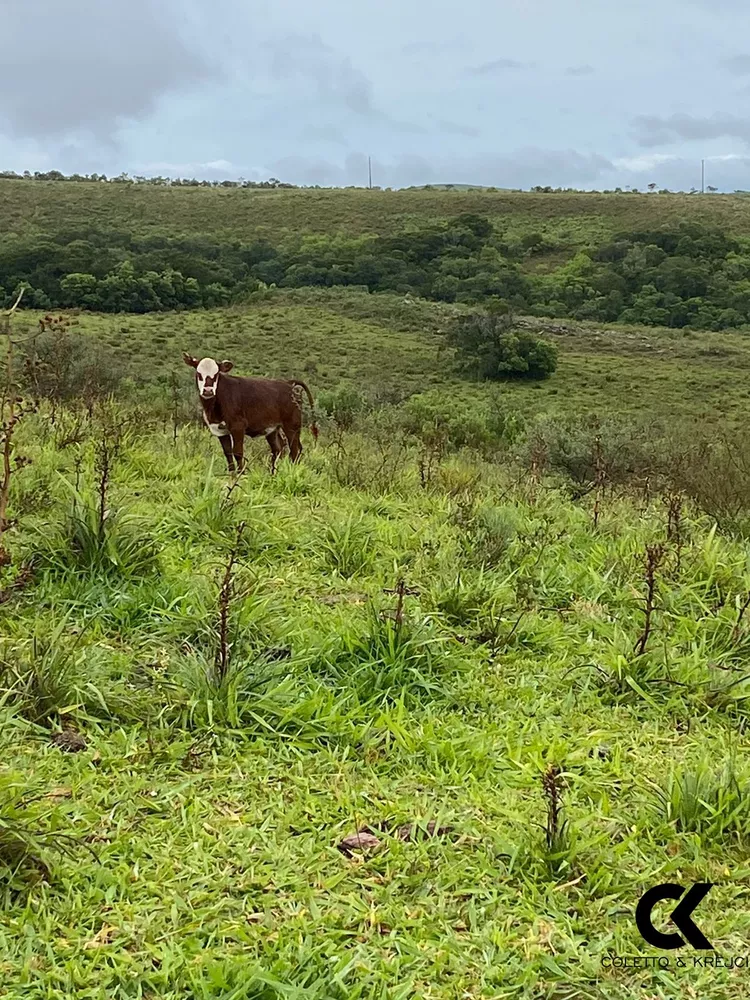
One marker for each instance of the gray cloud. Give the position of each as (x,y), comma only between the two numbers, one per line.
(738,65)
(323,133)
(454,128)
(456,44)
(496,66)
(524,168)
(651,130)
(308,60)
(583,70)
(86,66)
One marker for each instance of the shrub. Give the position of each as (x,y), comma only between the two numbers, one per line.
(488,348)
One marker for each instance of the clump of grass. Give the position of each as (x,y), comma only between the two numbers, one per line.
(25,838)
(462,602)
(390,661)
(347,546)
(712,803)
(38,679)
(86,542)
(488,532)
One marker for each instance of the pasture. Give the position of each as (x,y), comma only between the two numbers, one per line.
(29,207)
(530,739)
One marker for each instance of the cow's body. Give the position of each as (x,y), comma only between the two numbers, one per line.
(235,408)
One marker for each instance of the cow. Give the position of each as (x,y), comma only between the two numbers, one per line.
(234,407)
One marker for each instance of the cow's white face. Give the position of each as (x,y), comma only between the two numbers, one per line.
(207,374)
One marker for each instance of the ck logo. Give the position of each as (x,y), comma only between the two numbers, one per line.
(681,916)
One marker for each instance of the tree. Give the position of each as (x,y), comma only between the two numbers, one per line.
(488,348)
(78,290)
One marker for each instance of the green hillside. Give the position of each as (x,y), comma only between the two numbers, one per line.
(53,206)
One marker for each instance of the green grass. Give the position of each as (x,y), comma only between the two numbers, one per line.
(190,851)
(390,348)
(203,818)
(572,219)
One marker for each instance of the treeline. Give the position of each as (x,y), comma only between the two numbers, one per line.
(687,276)
(124,178)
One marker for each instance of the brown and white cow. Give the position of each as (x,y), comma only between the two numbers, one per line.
(234,407)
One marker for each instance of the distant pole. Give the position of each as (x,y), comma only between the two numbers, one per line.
(703,176)
(369,171)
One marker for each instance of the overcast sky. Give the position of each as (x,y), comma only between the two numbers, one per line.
(583,93)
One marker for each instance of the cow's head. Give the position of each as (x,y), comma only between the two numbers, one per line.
(207,374)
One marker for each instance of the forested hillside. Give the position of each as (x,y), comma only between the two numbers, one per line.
(656,260)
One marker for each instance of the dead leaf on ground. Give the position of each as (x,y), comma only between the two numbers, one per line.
(69,740)
(59,793)
(363,840)
(103,937)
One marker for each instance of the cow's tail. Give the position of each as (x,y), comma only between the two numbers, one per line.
(314,425)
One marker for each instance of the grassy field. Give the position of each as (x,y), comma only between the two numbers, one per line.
(192,844)
(251,691)
(574,219)
(386,346)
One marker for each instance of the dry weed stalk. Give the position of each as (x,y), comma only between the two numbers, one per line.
(654,558)
(674,504)
(225,600)
(402,591)
(737,630)
(600,477)
(552,786)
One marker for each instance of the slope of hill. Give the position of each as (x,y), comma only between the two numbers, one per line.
(53,206)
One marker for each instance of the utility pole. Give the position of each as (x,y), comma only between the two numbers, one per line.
(703,176)
(369,171)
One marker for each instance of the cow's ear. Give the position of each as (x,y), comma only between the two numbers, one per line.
(193,362)
(226,366)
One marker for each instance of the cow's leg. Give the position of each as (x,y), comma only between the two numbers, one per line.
(295,445)
(276,444)
(238,447)
(293,429)
(226,444)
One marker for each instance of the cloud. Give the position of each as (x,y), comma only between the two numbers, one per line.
(525,168)
(308,64)
(210,170)
(496,66)
(323,133)
(738,65)
(651,130)
(454,128)
(455,44)
(583,70)
(645,163)
(307,60)
(88,66)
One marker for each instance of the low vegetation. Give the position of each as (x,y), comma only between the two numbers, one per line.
(423,715)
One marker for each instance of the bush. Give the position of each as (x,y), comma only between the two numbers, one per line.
(342,405)
(488,348)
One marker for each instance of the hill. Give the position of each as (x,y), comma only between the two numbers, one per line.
(53,206)
(124,247)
